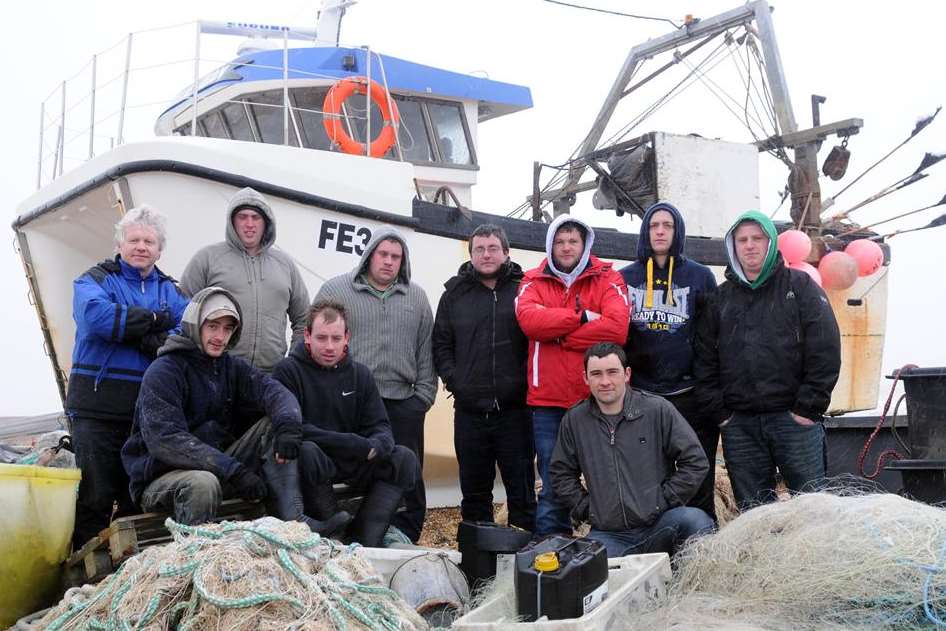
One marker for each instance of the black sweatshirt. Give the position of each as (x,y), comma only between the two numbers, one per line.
(342,409)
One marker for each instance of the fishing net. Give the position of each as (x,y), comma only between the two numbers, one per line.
(839,560)
(241,576)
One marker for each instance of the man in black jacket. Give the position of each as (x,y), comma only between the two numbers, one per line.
(347,436)
(641,463)
(768,353)
(480,354)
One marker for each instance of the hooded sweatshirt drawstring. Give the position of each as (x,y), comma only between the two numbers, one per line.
(649,299)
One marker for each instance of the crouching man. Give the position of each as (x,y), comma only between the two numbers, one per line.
(346,433)
(182,456)
(640,459)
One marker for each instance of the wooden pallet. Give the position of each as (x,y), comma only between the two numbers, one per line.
(127,536)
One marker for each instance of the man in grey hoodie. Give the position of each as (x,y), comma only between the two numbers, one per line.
(391,326)
(265,281)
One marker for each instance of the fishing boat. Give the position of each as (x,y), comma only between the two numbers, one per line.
(403,150)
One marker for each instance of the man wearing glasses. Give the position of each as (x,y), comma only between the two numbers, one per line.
(480,354)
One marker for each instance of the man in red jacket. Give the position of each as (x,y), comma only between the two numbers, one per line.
(567,304)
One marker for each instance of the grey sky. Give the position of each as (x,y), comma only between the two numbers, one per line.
(883,65)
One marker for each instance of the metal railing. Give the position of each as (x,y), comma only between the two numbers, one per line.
(117,94)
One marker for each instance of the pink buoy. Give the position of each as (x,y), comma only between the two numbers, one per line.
(869,256)
(838,270)
(809,269)
(794,245)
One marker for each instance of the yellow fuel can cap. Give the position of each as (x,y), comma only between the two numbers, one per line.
(546,562)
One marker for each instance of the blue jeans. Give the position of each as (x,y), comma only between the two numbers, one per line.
(667,534)
(551,517)
(755,444)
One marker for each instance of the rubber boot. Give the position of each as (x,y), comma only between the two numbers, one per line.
(320,500)
(321,503)
(375,514)
(285,499)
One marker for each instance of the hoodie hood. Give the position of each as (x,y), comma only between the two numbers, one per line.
(249,197)
(645,252)
(385,233)
(644,249)
(771,257)
(568,277)
(189,337)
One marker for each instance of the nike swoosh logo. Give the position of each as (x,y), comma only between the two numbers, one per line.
(345,394)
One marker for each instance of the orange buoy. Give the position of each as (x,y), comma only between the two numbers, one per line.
(332,116)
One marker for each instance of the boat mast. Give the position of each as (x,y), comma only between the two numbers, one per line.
(329,24)
(806,193)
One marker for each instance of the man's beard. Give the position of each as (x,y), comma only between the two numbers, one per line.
(565,269)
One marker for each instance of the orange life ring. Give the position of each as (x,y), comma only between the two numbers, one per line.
(332,116)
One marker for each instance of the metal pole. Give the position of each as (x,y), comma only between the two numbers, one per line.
(121,112)
(285,88)
(368,102)
(58,149)
(196,79)
(92,111)
(773,68)
(391,106)
(805,189)
(39,161)
(62,129)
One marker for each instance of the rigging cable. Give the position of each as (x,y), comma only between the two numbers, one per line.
(715,57)
(626,15)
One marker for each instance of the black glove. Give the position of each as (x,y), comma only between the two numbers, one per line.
(151,342)
(579,513)
(163,321)
(248,485)
(287,440)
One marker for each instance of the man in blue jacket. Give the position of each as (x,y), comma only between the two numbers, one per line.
(183,455)
(124,309)
(667,292)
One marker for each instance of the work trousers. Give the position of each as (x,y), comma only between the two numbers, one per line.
(667,534)
(98,444)
(551,516)
(755,444)
(407,425)
(194,496)
(399,468)
(707,431)
(484,440)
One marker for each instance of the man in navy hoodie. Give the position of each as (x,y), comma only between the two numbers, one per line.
(667,290)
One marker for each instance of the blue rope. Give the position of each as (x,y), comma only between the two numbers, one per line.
(928,607)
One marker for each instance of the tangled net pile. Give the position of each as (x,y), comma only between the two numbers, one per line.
(266,574)
(817,561)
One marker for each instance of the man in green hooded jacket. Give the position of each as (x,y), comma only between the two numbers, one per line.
(768,354)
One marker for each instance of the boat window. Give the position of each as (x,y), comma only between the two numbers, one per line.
(412,133)
(450,132)
(267,108)
(308,103)
(234,115)
(213,125)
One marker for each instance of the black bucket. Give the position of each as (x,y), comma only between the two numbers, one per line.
(481,543)
(924,474)
(923,480)
(926,410)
